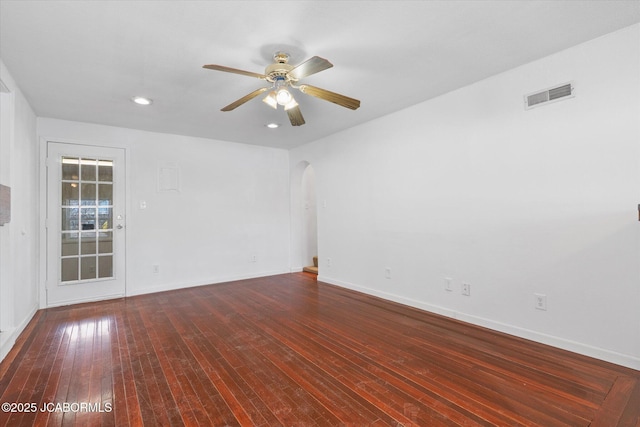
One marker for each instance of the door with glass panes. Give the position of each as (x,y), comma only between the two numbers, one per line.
(85,223)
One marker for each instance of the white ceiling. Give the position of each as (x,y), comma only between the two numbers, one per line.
(84,60)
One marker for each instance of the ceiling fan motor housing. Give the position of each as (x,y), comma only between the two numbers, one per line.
(279,69)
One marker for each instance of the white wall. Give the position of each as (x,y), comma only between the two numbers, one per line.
(233,204)
(19,238)
(473,187)
(310,214)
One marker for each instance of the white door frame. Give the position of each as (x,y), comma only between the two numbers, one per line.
(43,199)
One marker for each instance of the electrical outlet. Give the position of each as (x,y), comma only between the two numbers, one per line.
(254,258)
(156,269)
(448,284)
(328,262)
(541,302)
(387,273)
(466,289)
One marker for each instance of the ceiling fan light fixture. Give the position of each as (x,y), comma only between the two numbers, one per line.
(270,100)
(283,96)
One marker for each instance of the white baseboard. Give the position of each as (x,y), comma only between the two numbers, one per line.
(559,342)
(203,282)
(84,300)
(8,338)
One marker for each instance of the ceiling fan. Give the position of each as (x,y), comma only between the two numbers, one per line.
(282,76)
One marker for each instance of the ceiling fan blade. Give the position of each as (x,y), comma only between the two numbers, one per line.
(295,116)
(234,70)
(336,98)
(244,99)
(310,66)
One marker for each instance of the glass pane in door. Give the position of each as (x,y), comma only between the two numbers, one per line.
(88,243)
(105,266)
(69,269)
(70,168)
(87,219)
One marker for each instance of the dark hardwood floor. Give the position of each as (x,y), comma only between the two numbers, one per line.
(286,350)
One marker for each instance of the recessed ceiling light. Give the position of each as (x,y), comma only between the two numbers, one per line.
(272,125)
(141,100)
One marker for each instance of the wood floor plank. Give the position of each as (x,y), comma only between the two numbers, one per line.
(125,404)
(279,385)
(288,350)
(615,403)
(177,374)
(431,337)
(354,373)
(408,384)
(216,349)
(461,348)
(630,416)
(390,362)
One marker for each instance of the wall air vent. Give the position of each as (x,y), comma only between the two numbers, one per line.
(547,96)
